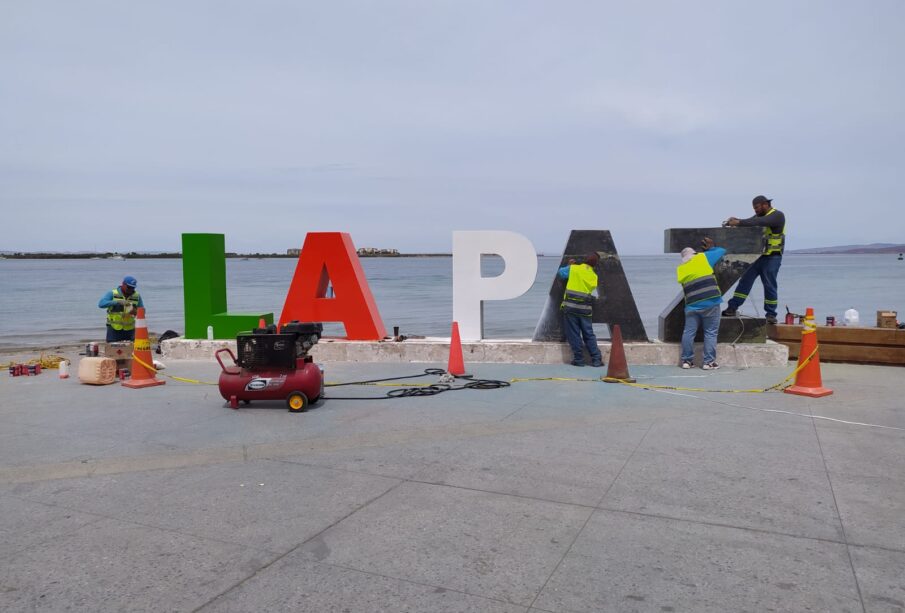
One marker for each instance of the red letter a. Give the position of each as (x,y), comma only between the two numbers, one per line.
(329,257)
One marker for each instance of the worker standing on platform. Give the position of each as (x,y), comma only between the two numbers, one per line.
(767,265)
(121,303)
(577,307)
(702,301)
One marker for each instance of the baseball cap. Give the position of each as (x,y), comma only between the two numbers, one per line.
(761,200)
(130,281)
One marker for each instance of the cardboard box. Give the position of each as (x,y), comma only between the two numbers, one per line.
(886,319)
(120,351)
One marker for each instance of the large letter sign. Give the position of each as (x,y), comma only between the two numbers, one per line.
(614,304)
(470,289)
(330,257)
(204,283)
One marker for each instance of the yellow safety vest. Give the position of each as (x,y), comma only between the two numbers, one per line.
(120,320)
(774,242)
(697,280)
(578,298)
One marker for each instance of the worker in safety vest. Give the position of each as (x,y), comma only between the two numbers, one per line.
(767,265)
(702,301)
(577,307)
(121,303)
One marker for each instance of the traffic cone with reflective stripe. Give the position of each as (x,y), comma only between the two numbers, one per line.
(142,362)
(617,369)
(808,381)
(456,361)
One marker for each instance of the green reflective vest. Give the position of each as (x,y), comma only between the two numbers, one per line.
(774,242)
(578,299)
(120,320)
(697,279)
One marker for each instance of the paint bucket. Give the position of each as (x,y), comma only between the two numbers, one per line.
(830,320)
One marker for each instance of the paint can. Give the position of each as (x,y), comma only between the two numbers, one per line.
(64,369)
(13,370)
(790,319)
(94,349)
(830,320)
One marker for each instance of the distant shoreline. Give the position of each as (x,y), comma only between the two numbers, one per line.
(178,256)
(262,256)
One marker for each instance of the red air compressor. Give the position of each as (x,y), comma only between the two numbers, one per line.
(274,366)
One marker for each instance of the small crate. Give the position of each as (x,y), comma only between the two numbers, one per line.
(886,319)
(121,351)
(257,351)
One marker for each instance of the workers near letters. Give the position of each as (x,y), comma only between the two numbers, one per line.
(767,265)
(121,303)
(702,301)
(577,308)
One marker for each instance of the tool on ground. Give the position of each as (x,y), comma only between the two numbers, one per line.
(791,317)
(274,365)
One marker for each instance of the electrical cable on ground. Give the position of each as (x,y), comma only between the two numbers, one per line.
(431,389)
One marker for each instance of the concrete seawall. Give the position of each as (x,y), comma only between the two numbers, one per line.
(491,351)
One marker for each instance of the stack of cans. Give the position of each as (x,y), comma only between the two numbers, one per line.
(24,370)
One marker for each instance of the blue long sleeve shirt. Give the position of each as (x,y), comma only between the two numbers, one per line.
(107,300)
(713,256)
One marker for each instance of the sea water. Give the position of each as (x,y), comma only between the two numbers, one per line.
(44,303)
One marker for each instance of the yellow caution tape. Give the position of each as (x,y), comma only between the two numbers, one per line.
(778,387)
(46,361)
(173,377)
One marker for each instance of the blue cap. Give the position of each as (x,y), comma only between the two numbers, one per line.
(130,281)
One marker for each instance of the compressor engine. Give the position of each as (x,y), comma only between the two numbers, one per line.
(274,365)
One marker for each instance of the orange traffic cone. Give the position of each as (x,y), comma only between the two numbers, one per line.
(456,361)
(142,362)
(808,381)
(617,369)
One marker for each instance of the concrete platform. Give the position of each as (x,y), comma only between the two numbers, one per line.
(494,351)
(543,496)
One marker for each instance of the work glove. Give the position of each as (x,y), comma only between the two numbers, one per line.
(117,308)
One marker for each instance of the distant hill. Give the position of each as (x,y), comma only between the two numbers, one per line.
(871,248)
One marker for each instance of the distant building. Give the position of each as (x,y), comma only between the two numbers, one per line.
(295,252)
(374,252)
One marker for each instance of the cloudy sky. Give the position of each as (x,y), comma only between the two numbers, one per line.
(124,124)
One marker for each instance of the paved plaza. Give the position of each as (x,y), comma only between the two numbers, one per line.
(543,496)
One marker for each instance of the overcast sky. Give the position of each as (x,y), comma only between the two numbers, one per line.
(125,123)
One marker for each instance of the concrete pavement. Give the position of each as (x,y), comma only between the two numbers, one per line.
(544,496)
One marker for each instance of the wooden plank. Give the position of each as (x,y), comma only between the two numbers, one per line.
(861,354)
(841,334)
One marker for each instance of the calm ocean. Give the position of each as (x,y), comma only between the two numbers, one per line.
(49,302)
